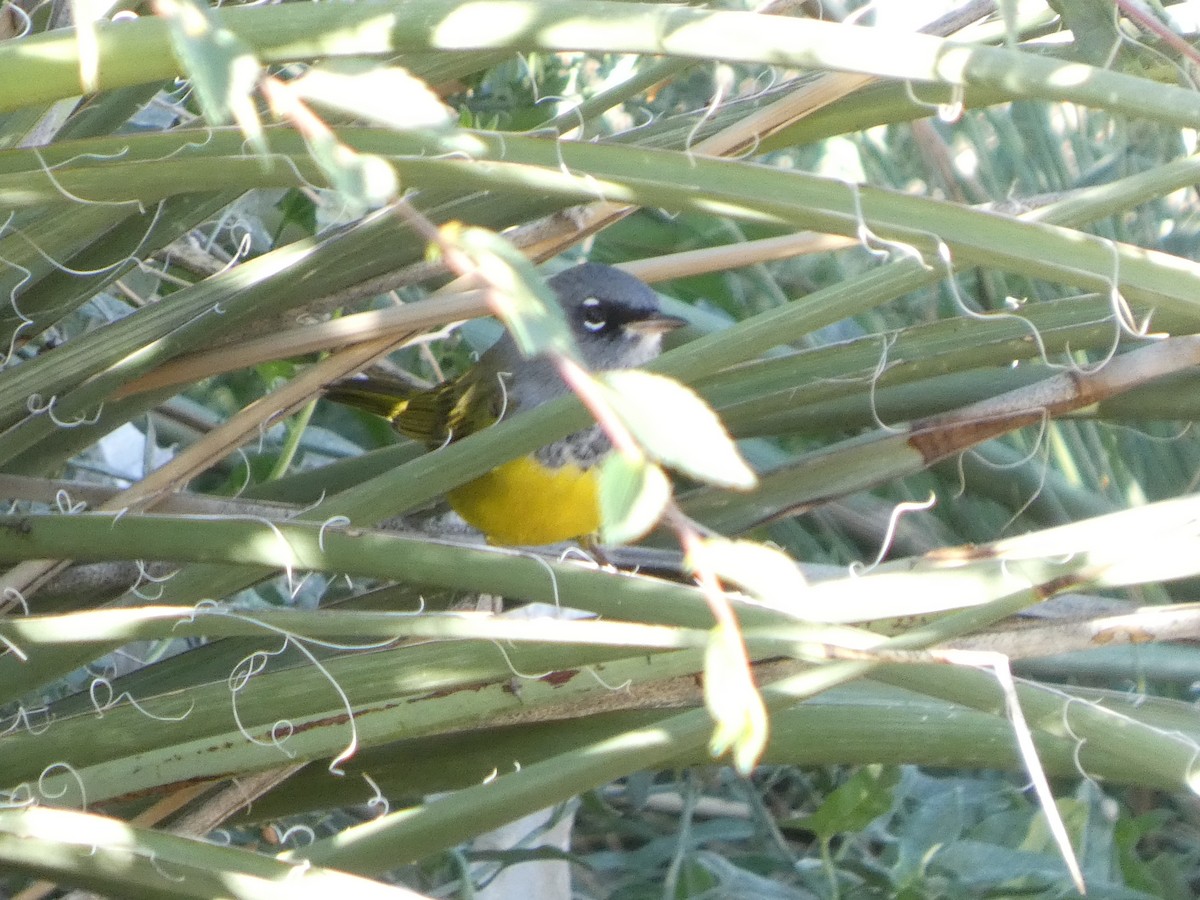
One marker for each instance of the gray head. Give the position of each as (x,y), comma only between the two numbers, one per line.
(614,317)
(616,323)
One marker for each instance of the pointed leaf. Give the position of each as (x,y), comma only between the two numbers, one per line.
(85,14)
(522,299)
(768,575)
(733,700)
(223,69)
(388,96)
(364,180)
(1093,27)
(675,427)
(633,494)
(852,806)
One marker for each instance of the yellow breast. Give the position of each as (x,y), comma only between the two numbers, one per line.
(525,502)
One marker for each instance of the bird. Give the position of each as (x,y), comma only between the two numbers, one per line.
(551,495)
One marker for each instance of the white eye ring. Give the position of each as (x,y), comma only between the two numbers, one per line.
(593,320)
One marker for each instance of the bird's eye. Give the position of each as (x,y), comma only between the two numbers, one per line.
(593,315)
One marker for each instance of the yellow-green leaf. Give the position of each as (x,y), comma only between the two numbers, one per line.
(675,427)
(223,69)
(364,180)
(853,805)
(765,573)
(733,701)
(388,96)
(633,494)
(522,298)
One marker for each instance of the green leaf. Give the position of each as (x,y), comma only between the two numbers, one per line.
(297,208)
(224,70)
(85,14)
(675,427)
(364,180)
(387,96)
(765,573)
(851,807)
(633,494)
(119,859)
(1094,27)
(522,299)
(733,701)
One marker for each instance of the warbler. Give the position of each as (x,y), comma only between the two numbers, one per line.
(550,495)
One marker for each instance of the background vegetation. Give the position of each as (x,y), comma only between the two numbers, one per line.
(946,273)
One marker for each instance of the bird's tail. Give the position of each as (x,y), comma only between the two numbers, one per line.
(423,415)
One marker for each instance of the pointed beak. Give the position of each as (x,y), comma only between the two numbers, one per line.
(659,324)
